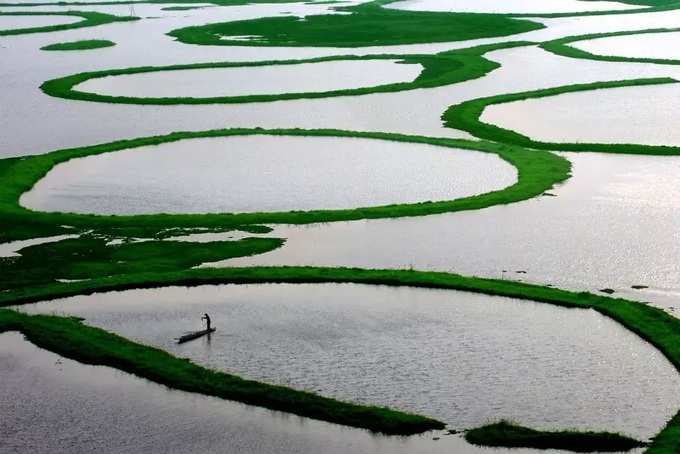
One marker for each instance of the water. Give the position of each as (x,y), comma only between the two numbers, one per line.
(648,45)
(461,357)
(274,79)
(614,224)
(15,22)
(52,404)
(266,173)
(644,115)
(509,7)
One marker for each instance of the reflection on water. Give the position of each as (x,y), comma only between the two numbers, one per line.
(509,6)
(644,115)
(648,45)
(463,358)
(266,173)
(240,81)
(50,404)
(14,22)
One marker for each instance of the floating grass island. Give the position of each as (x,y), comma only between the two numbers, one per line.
(440,69)
(466,116)
(69,338)
(510,435)
(537,172)
(80,45)
(90,19)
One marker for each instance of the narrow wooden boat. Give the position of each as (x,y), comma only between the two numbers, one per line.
(194,335)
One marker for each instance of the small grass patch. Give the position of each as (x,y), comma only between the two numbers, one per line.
(509,435)
(466,116)
(90,19)
(441,69)
(80,45)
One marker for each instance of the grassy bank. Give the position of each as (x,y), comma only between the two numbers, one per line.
(368,25)
(80,45)
(508,435)
(441,69)
(537,173)
(90,19)
(68,337)
(562,47)
(654,325)
(466,116)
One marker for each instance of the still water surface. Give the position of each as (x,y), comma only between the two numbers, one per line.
(266,173)
(648,45)
(461,357)
(14,22)
(509,6)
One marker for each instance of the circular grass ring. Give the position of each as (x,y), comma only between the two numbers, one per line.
(441,69)
(537,173)
(79,45)
(466,116)
(90,19)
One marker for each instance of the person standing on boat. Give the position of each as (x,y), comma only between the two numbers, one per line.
(206,317)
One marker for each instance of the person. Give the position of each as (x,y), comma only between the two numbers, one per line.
(206,317)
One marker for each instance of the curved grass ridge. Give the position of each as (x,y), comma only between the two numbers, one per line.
(368,25)
(466,116)
(537,173)
(80,45)
(90,19)
(440,69)
(561,47)
(651,324)
(509,435)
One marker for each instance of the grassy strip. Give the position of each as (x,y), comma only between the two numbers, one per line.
(509,435)
(466,116)
(90,19)
(368,25)
(441,69)
(654,325)
(537,172)
(93,256)
(80,45)
(137,2)
(71,339)
(561,47)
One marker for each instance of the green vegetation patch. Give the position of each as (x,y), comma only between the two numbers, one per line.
(440,69)
(80,45)
(68,337)
(466,116)
(562,47)
(509,435)
(92,257)
(368,25)
(652,324)
(537,172)
(90,19)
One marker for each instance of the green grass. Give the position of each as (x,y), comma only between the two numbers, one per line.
(509,435)
(71,339)
(651,324)
(80,45)
(367,25)
(440,69)
(90,257)
(466,116)
(90,19)
(537,173)
(561,47)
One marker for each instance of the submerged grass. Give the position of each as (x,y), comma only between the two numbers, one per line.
(80,45)
(440,69)
(654,325)
(466,116)
(509,435)
(537,172)
(68,337)
(90,19)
